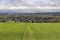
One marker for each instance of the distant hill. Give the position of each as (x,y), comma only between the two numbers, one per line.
(25,12)
(28,11)
(43,13)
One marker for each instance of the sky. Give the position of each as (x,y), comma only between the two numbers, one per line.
(30,5)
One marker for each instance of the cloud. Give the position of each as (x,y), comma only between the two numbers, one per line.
(28,8)
(31,2)
(44,5)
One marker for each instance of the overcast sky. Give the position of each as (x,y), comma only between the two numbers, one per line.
(45,5)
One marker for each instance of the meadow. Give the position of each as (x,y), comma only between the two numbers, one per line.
(29,31)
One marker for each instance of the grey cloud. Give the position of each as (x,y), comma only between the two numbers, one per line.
(32,2)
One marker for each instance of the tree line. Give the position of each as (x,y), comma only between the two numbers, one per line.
(30,18)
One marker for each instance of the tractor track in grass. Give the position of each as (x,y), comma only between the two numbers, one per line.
(39,29)
(23,36)
(23,33)
(34,26)
(28,31)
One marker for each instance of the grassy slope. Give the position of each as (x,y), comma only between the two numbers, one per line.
(32,31)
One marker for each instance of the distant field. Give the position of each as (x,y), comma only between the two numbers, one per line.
(29,31)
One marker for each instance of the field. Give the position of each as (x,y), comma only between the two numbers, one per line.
(29,31)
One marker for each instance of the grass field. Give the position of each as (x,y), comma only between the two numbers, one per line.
(29,31)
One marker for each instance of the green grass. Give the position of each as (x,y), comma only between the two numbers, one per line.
(32,31)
